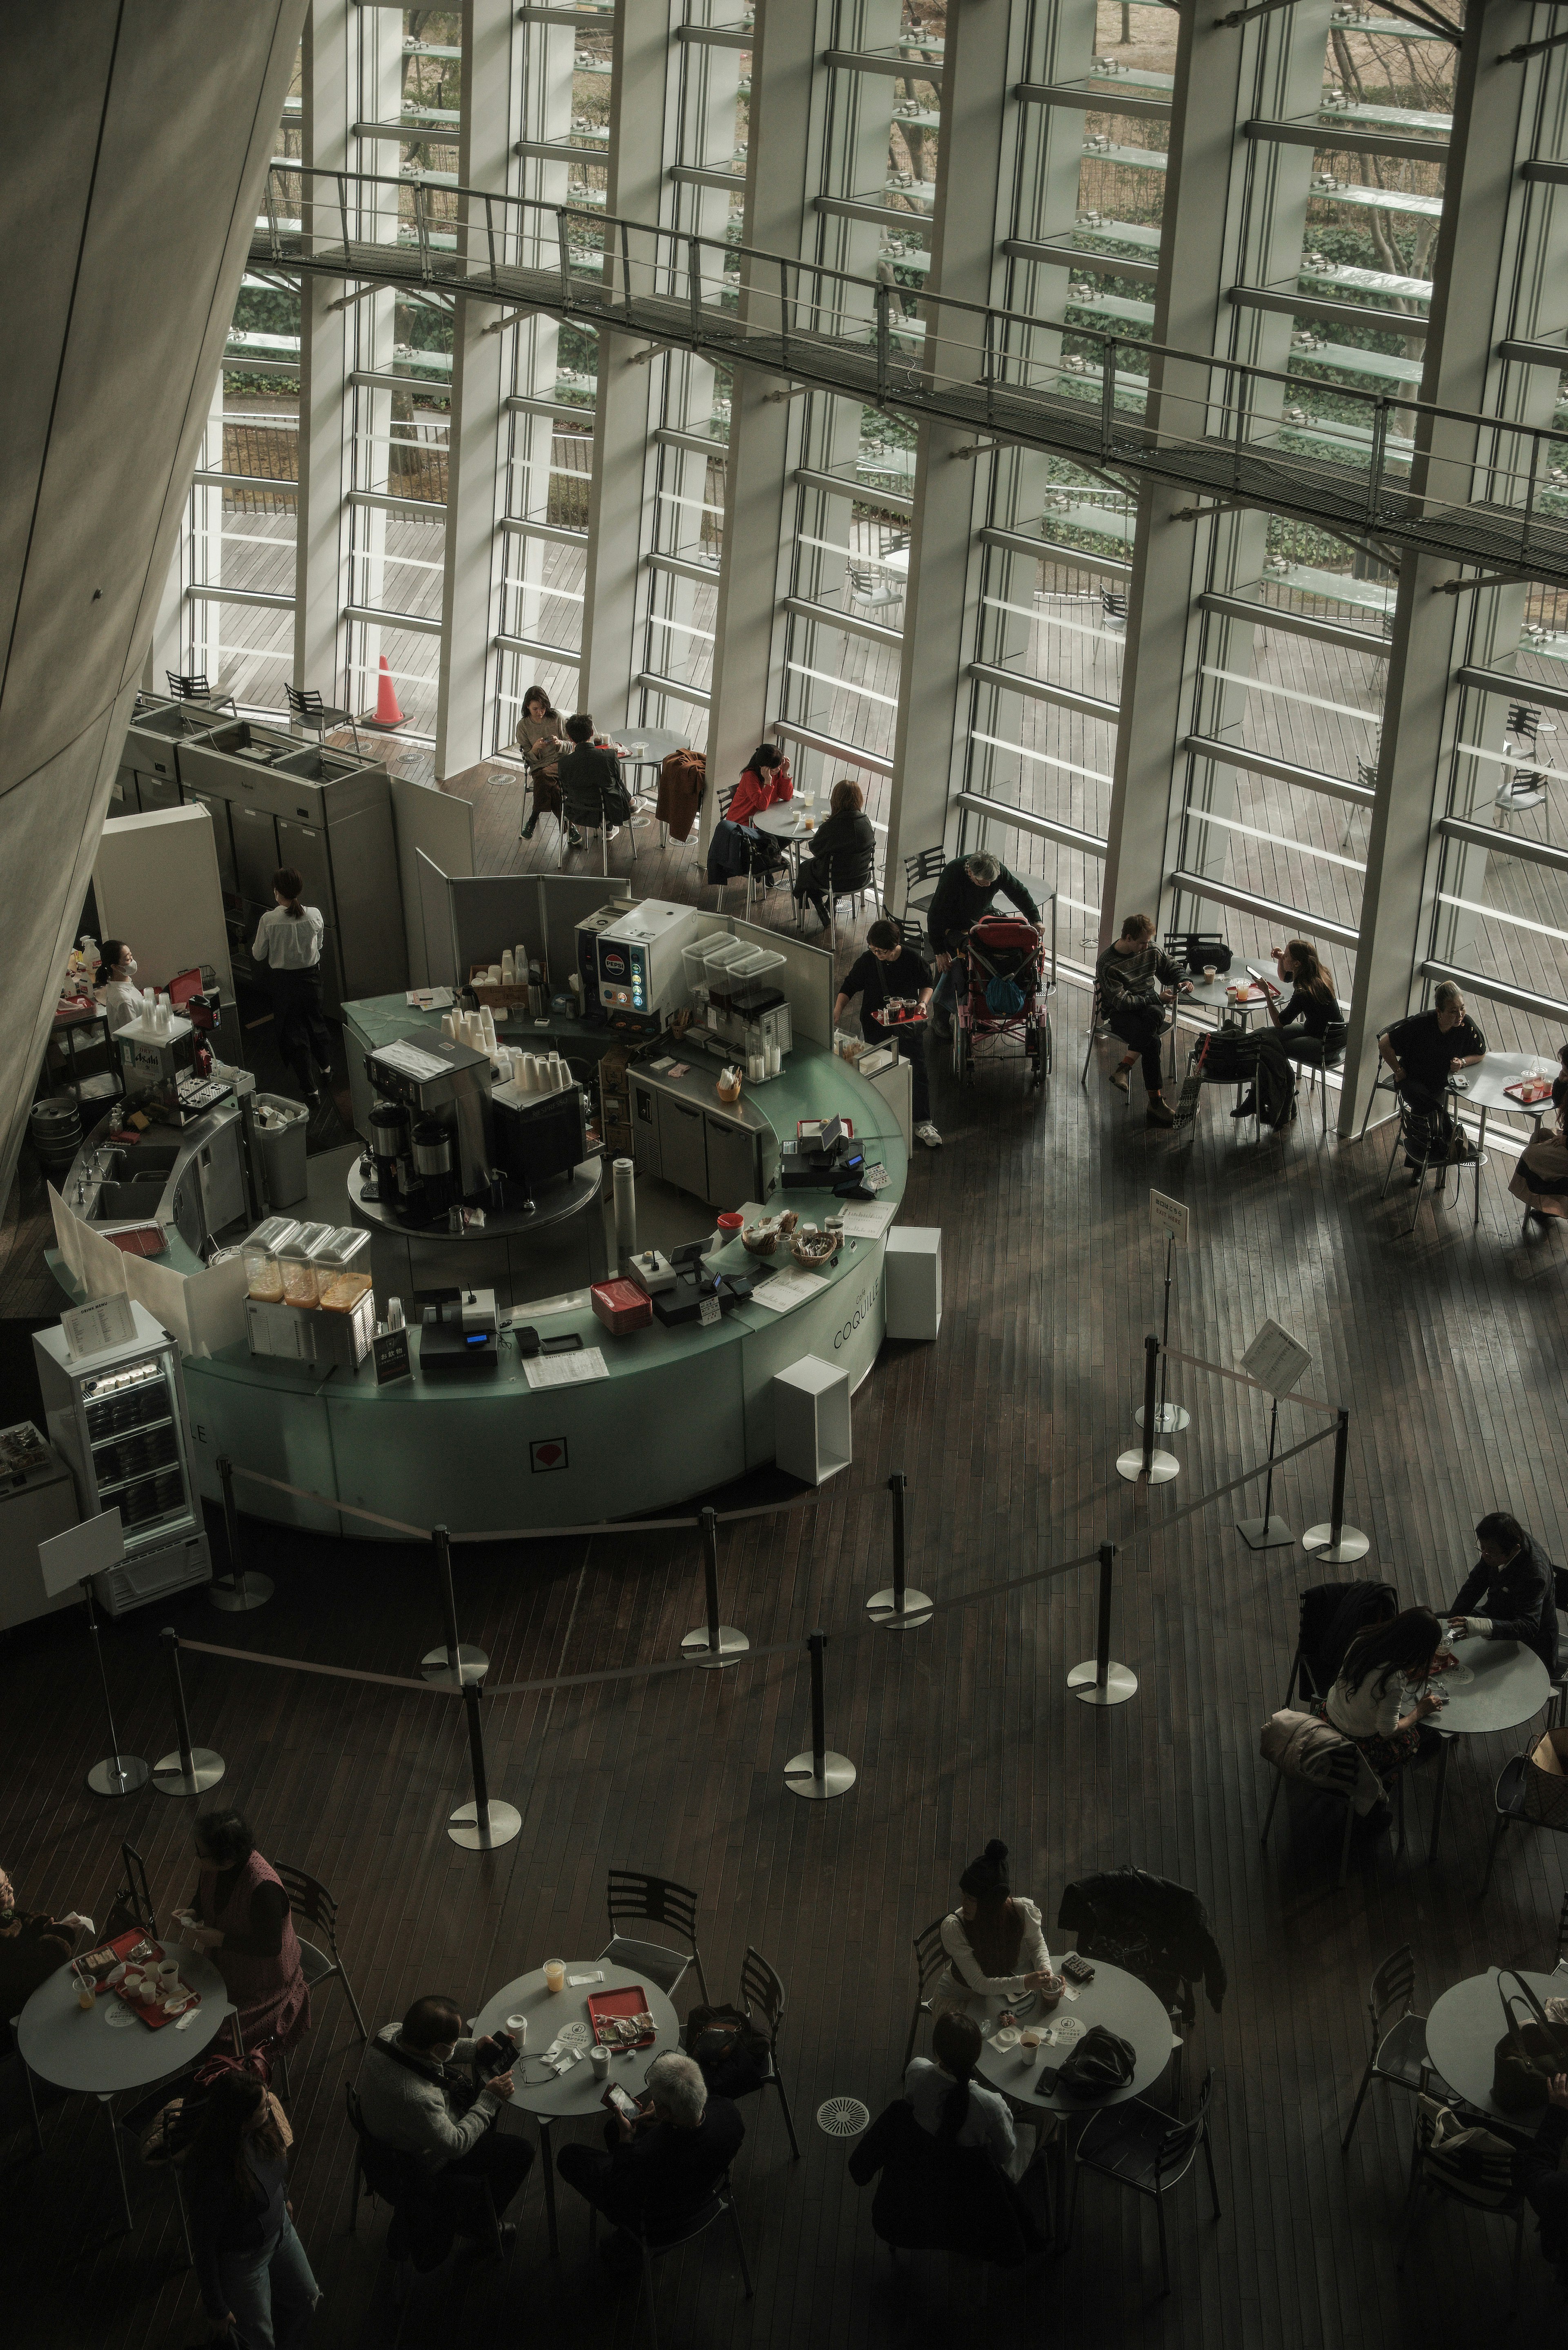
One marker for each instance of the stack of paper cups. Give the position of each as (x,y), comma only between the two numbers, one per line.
(623,1182)
(531,1072)
(495,974)
(508,968)
(775,1060)
(487,1020)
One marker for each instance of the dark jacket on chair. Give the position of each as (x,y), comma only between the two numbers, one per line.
(592,787)
(936,2197)
(1159,1931)
(729,851)
(1518,1598)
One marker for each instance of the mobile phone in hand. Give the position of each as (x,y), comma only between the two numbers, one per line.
(619,2102)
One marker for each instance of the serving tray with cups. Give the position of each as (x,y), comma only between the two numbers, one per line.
(144,1978)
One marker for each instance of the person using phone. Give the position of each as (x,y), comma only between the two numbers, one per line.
(1136,979)
(1366,1702)
(1509,1593)
(417,2097)
(994,1940)
(1310,1025)
(660,2165)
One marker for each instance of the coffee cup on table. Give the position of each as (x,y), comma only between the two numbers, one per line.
(1210,971)
(599,2058)
(554,1974)
(1029,2044)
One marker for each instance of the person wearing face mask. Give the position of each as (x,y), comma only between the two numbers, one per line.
(414,2099)
(1509,1593)
(114,982)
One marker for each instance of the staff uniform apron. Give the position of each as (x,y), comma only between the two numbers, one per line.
(271,1994)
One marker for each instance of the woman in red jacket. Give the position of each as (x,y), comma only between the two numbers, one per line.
(765,779)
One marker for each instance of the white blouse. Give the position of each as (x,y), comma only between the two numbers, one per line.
(964,1971)
(1362,1713)
(987,2123)
(287,941)
(123,1002)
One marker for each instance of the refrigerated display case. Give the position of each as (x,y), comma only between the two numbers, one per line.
(118,1419)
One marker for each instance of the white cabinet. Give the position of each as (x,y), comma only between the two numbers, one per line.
(811,1420)
(912,1281)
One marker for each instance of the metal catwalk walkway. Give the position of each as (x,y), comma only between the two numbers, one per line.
(1491,503)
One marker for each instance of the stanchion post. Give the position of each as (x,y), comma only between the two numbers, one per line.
(1337,1544)
(118,1773)
(820,1773)
(1267,1533)
(454,1665)
(712,1643)
(236,1592)
(1170,1418)
(484,1824)
(1145,1463)
(898,1609)
(1100,1682)
(189,1770)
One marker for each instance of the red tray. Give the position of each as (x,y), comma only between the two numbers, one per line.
(631,2000)
(151,2014)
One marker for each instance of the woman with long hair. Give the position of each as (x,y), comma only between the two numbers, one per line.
(1310,1025)
(254,2277)
(1368,1702)
(994,1939)
(950,2103)
(540,740)
(843,854)
(765,780)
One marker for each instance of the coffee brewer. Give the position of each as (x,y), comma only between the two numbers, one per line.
(442,1150)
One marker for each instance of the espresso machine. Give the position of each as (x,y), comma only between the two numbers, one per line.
(432,1138)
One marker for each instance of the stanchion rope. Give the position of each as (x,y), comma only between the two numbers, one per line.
(521,1533)
(1313,1403)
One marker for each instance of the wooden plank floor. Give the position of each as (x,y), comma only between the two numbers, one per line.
(1448,1350)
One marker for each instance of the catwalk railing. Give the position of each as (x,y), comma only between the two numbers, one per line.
(1405,473)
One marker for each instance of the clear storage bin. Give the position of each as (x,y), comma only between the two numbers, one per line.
(297,1256)
(342,1264)
(264,1273)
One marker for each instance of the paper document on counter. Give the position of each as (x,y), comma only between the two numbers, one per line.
(866,1222)
(788,1289)
(566,1370)
(429,999)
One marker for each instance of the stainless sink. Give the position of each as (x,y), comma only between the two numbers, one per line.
(118,1203)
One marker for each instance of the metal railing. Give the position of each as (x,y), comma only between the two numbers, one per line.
(1455,484)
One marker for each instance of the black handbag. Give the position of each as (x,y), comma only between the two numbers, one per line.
(1102,2062)
(1197,949)
(1528,2054)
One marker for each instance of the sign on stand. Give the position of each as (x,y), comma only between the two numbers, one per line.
(1172,1216)
(1275,1359)
(94,1328)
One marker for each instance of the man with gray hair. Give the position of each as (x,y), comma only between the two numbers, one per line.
(1422,1051)
(963,894)
(660,2168)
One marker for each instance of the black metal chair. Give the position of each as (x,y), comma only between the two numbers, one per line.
(930,1960)
(1317,1055)
(921,874)
(763,1995)
(1494,2194)
(1516,1798)
(1559,1668)
(136,2121)
(1114,606)
(848,877)
(193,686)
(132,1903)
(1329,1616)
(313,1906)
(1137,2147)
(760,859)
(1562,1933)
(721,2205)
(634,1898)
(1398,2048)
(306,708)
(1426,1162)
(1384,1082)
(1099,1022)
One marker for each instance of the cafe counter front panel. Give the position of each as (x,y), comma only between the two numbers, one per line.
(678,1410)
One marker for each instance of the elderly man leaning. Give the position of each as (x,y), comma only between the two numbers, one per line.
(1422,1052)
(660,2169)
(417,2095)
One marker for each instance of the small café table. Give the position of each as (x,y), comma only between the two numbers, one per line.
(1116,1999)
(1210,995)
(574,2095)
(1464,2028)
(1485,1088)
(82,2052)
(1507,1685)
(789,822)
(650,746)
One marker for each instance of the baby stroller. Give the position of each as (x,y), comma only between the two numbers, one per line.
(1008,996)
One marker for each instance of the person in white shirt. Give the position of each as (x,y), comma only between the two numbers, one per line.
(114,981)
(994,1940)
(288,940)
(949,2103)
(1368,1702)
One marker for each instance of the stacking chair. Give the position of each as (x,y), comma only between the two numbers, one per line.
(1474,1164)
(1325,1056)
(1558,1709)
(1114,607)
(761,1991)
(1517,1797)
(1563,1936)
(1136,2146)
(1494,2193)
(930,1960)
(633,1896)
(313,1906)
(848,877)
(1398,2046)
(1337,1794)
(921,874)
(1384,1082)
(136,2121)
(307,709)
(758,863)
(1097,1022)
(721,2205)
(193,687)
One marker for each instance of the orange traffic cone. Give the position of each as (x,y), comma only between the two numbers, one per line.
(387,711)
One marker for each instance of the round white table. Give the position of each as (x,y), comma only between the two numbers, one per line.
(1116,1999)
(1506,1685)
(648,746)
(574,2095)
(1464,2028)
(1485,1088)
(80,2051)
(789,822)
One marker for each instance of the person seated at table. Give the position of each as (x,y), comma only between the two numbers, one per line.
(1560,1082)
(1367,1703)
(994,1939)
(1136,979)
(1509,1593)
(417,2097)
(593,789)
(658,2171)
(541,742)
(1540,1180)
(1541,2179)
(963,893)
(34,1945)
(1310,1024)
(255,2280)
(949,2103)
(765,781)
(1422,1052)
(239,1915)
(843,851)
(887,968)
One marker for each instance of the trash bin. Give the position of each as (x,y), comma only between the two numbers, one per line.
(282,1135)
